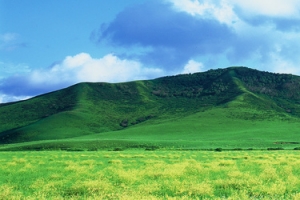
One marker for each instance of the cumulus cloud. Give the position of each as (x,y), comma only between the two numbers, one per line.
(219,10)
(228,8)
(193,7)
(282,15)
(73,69)
(274,8)
(192,67)
(82,67)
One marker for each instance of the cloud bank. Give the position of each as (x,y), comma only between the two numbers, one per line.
(176,31)
(173,37)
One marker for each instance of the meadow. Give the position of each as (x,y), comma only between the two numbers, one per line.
(137,174)
(209,135)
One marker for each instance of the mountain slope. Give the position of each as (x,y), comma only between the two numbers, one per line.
(124,110)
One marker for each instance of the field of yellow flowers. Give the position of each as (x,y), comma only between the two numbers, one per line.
(137,174)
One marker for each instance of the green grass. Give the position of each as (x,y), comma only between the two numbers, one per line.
(150,175)
(225,108)
(215,128)
(212,129)
(231,127)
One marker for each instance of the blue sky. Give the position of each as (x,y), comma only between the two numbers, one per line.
(49,45)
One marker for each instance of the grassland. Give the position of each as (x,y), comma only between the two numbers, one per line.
(150,175)
(91,139)
(226,108)
(228,127)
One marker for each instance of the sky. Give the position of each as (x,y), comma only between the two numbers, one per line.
(52,44)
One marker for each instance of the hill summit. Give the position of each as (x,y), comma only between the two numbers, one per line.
(234,102)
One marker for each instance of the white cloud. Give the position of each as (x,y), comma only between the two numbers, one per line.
(8,98)
(192,7)
(83,68)
(224,13)
(220,10)
(110,69)
(192,67)
(274,8)
(77,60)
(223,9)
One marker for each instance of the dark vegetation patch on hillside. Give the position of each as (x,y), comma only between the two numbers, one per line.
(283,89)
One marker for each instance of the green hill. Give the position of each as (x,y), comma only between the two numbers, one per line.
(236,107)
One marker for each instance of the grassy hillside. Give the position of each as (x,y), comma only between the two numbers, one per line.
(235,107)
